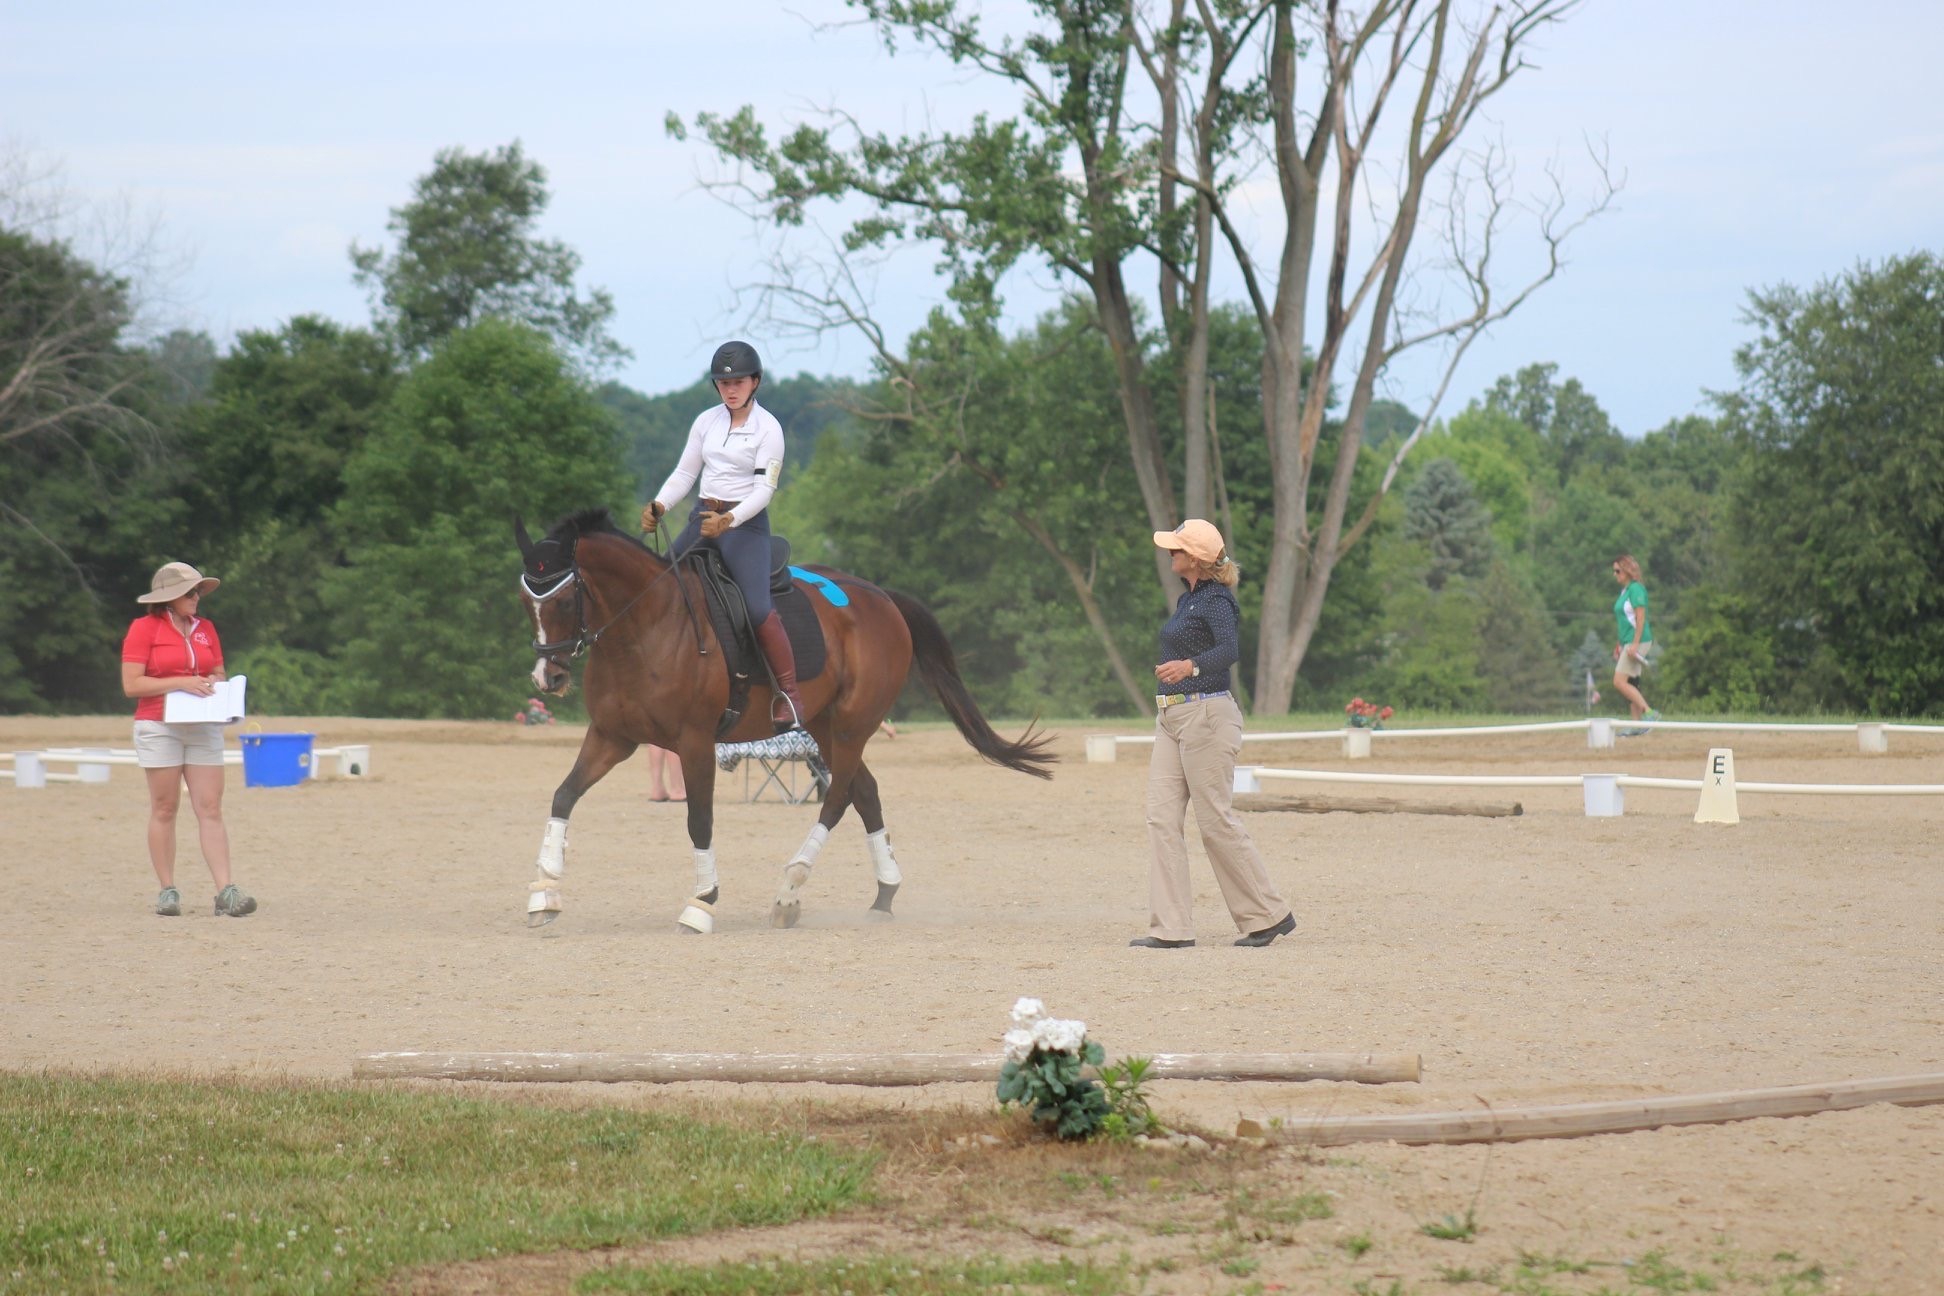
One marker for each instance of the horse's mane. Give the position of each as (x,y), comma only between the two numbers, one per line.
(592,521)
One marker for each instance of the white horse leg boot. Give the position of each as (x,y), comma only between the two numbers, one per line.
(698,915)
(543,893)
(789,901)
(885,865)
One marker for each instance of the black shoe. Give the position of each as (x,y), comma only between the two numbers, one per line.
(1267,934)
(1155,942)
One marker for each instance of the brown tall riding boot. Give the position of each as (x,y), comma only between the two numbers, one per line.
(786,709)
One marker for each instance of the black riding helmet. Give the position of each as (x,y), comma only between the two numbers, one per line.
(736,360)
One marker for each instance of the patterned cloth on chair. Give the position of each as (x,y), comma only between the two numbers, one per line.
(773,757)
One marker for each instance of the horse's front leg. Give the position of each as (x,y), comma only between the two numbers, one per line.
(599,753)
(698,773)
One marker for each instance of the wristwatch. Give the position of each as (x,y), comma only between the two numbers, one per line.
(1194,670)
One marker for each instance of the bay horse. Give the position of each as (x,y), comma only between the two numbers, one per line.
(656,673)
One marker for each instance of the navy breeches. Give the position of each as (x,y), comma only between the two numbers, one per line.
(745,552)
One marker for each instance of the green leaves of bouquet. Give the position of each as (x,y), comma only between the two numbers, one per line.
(1042,1072)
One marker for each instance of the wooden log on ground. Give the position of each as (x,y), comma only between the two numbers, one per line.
(1578,1120)
(1374,805)
(855,1068)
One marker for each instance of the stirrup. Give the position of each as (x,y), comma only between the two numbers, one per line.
(795,720)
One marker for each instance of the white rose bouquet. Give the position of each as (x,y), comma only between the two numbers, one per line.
(1042,1071)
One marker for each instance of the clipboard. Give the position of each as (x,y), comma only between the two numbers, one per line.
(223,706)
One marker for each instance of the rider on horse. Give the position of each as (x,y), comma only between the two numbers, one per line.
(736,448)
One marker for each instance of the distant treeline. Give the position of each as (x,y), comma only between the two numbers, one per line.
(355,488)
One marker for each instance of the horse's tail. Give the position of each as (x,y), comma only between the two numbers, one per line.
(939,667)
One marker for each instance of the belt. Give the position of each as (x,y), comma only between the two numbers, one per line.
(718,506)
(1166,700)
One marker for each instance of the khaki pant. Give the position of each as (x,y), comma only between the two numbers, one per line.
(1195,746)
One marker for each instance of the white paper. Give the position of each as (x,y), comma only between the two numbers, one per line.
(224,706)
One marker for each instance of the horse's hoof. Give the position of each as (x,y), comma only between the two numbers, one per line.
(541,918)
(882,905)
(786,915)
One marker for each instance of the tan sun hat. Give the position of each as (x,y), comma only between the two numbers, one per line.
(172,580)
(1198,539)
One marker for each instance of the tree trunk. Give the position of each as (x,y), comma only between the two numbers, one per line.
(1143,697)
(1143,436)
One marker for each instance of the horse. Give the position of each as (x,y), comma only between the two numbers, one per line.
(656,673)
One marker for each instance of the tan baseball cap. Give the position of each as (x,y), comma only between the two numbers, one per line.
(1198,539)
(172,580)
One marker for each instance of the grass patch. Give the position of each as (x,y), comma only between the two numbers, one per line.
(1452,1228)
(179,1185)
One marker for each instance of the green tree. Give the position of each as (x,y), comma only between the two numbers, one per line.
(1442,513)
(1015,437)
(1840,514)
(1139,131)
(468,250)
(286,411)
(88,506)
(494,424)
(1569,422)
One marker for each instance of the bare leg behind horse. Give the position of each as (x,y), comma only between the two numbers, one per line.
(599,753)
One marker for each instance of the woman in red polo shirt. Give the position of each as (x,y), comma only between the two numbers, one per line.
(170,648)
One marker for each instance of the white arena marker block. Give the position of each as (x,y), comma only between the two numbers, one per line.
(1872,738)
(29,770)
(1100,749)
(1246,780)
(1599,733)
(1356,744)
(92,771)
(354,762)
(1605,799)
(1718,789)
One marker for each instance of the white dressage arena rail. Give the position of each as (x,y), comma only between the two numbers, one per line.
(91,764)
(1872,737)
(1601,791)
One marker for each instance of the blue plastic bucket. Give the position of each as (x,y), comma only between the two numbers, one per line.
(276,759)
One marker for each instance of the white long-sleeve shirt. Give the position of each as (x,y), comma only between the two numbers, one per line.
(744,463)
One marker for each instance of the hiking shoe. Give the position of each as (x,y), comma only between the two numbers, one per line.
(169,903)
(233,902)
(1258,939)
(1155,942)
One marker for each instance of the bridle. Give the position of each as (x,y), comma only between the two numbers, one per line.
(585,638)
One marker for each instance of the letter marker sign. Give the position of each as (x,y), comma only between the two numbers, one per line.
(1718,789)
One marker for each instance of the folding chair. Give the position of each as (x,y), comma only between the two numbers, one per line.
(777,758)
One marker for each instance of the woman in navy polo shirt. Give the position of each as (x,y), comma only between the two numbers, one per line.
(168,649)
(1197,736)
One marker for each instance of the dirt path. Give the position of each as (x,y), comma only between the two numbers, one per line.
(1543,958)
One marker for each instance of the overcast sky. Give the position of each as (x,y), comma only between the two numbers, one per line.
(1762,141)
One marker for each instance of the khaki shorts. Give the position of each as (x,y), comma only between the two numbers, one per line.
(1633,663)
(165,746)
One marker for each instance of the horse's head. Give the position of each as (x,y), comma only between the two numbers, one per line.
(550,586)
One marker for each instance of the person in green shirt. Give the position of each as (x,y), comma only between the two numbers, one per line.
(1635,633)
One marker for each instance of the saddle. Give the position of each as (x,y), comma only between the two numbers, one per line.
(730,616)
